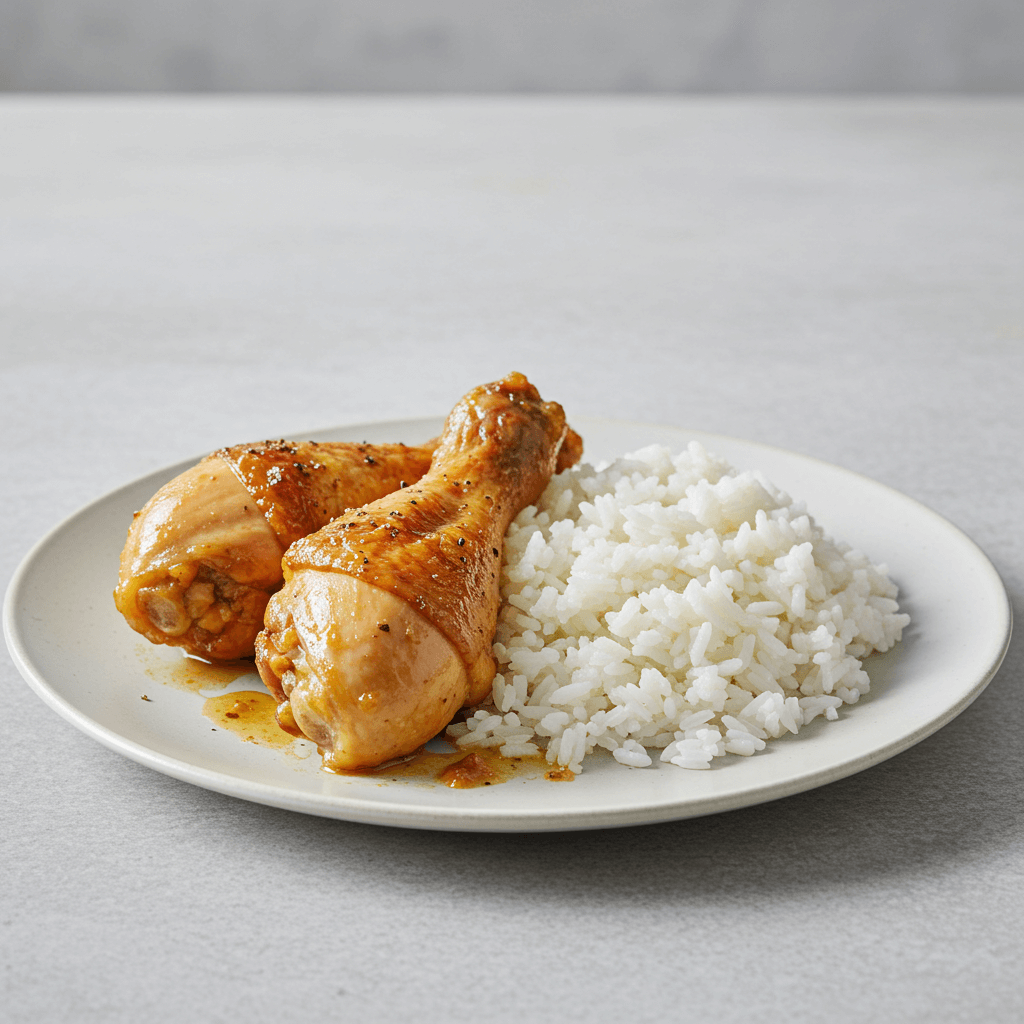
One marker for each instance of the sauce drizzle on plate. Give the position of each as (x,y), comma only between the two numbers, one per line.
(249,714)
(190,673)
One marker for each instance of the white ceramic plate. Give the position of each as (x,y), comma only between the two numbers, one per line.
(79,656)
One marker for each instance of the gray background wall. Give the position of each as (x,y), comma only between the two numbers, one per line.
(514,45)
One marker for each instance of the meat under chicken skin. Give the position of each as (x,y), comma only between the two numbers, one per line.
(204,555)
(383,628)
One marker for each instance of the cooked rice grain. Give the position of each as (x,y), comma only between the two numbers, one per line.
(671,604)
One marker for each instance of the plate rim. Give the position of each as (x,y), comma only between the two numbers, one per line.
(483,819)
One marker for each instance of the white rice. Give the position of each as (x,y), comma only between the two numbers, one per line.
(669,606)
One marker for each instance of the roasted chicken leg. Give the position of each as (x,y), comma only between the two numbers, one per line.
(383,628)
(204,555)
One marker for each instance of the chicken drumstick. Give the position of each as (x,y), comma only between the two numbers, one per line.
(383,628)
(204,554)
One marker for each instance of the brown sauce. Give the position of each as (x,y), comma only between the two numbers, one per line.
(470,771)
(194,674)
(488,768)
(250,715)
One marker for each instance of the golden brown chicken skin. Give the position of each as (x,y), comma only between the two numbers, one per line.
(204,555)
(383,628)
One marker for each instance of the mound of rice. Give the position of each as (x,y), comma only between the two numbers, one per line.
(668,603)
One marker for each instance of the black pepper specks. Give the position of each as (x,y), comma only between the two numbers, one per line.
(370,460)
(384,627)
(496,552)
(462,542)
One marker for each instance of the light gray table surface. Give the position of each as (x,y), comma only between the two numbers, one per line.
(843,278)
